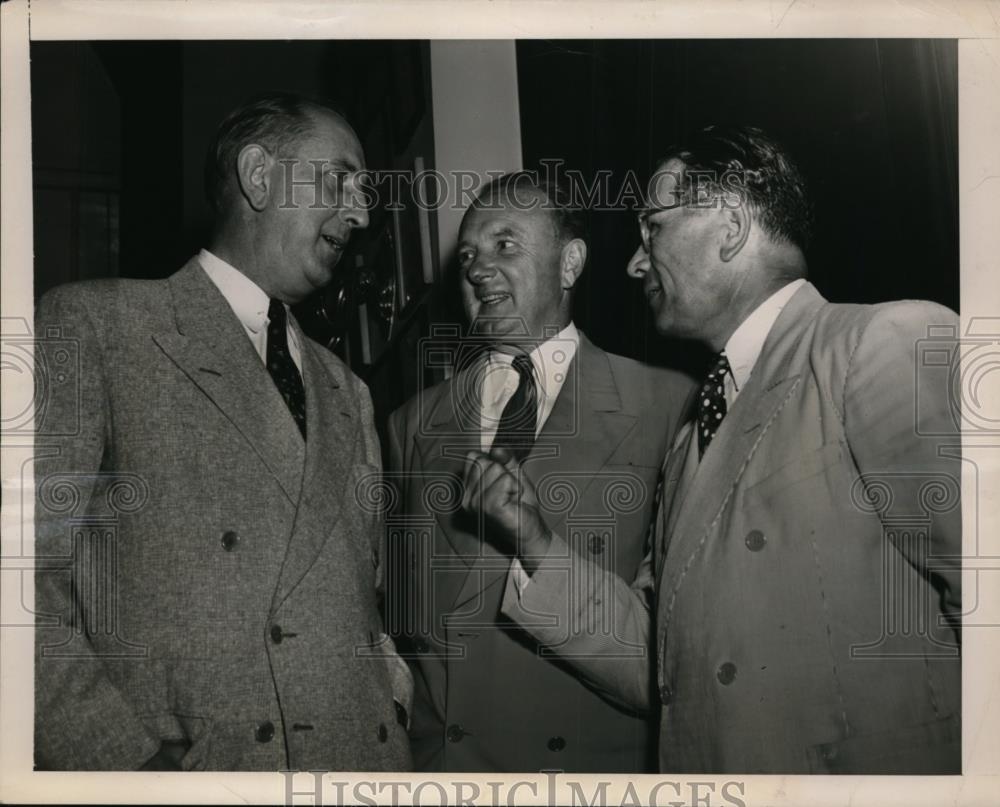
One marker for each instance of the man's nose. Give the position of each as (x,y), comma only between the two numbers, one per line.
(354,207)
(479,271)
(638,265)
(355,214)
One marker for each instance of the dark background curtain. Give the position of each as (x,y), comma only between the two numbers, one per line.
(119,131)
(873,125)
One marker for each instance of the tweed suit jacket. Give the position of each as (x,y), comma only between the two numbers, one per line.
(807,570)
(206,574)
(487,698)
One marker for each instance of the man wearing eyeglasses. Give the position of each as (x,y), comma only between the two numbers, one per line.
(806,565)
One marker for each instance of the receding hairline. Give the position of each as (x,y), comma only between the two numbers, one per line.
(504,194)
(315,112)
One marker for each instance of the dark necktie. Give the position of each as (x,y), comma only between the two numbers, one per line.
(712,402)
(516,431)
(281,366)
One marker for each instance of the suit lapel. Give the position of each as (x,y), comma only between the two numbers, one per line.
(452,424)
(583,430)
(211,347)
(682,465)
(330,455)
(772,381)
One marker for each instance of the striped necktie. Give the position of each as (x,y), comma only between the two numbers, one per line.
(516,431)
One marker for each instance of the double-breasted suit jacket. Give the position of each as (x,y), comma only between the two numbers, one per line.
(206,575)
(487,697)
(807,569)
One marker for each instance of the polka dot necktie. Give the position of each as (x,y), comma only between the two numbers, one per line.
(712,402)
(516,431)
(281,366)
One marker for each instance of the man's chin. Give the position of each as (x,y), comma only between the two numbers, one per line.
(497,327)
(321,275)
(665,324)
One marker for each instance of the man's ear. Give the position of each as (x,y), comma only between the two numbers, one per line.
(572,260)
(737,223)
(253,172)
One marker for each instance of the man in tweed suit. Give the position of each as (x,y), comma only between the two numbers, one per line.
(587,426)
(207,592)
(807,561)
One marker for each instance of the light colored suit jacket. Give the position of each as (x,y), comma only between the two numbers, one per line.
(208,576)
(487,697)
(807,576)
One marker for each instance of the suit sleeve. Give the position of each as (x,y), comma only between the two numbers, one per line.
(903,434)
(560,605)
(569,593)
(82,721)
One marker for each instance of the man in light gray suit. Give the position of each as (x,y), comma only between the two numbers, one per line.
(206,598)
(806,569)
(590,429)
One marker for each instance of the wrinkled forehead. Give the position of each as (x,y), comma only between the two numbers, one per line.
(522,210)
(519,197)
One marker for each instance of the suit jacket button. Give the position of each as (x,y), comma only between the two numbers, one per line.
(455,733)
(755,540)
(264,732)
(382,733)
(726,673)
(229,540)
(556,743)
(665,694)
(276,634)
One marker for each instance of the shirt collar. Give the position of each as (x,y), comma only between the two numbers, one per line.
(248,300)
(744,346)
(550,360)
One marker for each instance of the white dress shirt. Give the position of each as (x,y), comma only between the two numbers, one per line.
(249,302)
(744,346)
(550,362)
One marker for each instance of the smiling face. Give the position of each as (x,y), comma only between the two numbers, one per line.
(315,202)
(688,287)
(512,273)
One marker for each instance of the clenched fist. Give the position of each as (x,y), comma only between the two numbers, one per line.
(496,488)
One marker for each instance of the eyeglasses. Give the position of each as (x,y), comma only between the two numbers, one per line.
(651,211)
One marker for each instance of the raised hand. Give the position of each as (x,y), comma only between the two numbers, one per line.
(497,488)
